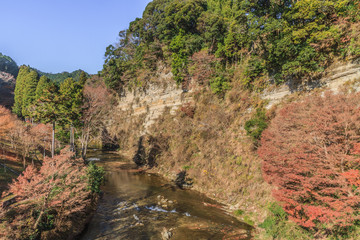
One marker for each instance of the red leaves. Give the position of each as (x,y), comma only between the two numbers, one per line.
(60,187)
(309,154)
(353,177)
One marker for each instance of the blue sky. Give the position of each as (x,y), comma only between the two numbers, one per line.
(64,35)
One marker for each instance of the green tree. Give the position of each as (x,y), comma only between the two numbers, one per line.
(71,100)
(83,77)
(30,84)
(19,89)
(47,109)
(42,86)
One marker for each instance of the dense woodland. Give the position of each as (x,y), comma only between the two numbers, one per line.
(306,152)
(272,41)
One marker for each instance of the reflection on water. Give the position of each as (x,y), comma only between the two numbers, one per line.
(142,206)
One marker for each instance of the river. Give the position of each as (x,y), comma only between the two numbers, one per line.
(139,205)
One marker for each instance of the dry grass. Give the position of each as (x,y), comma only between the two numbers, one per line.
(213,146)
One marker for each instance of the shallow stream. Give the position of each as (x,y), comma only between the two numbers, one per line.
(138,205)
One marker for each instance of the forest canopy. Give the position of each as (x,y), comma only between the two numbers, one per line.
(273,40)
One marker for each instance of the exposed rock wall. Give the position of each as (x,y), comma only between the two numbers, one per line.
(7,86)
(333,79)
(150,102)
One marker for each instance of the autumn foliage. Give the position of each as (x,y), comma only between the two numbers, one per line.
(310,154)
(6,121)
(22,138)
(49,201)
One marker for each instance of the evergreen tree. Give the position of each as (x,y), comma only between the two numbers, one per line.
(71,98)
(83,77)
(19,89)
(47,110)
(30,84)
(41,87)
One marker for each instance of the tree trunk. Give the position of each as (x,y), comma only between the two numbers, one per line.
(84,142)
(72,140)
(44,147)
(53,141)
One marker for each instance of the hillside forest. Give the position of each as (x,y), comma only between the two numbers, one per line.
(290,170)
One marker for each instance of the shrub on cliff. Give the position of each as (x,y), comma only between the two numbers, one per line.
(49,201)
(256,125)
(310,153)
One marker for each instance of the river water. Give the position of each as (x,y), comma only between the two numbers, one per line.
(138,205)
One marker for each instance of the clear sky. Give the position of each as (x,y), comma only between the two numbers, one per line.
(64,35)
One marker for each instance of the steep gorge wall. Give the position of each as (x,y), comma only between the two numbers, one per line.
(149,103)
(213,145)
(152,101)
(334,78)
(137,109)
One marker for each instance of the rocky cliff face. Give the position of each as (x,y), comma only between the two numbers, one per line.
(139,108)
(334,78)
(211,145)
(150,102)
(8,72)
(7,86)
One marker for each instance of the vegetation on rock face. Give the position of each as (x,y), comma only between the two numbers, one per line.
(277,40)
(236,49)
(310,153)
(8,65)
(256,125)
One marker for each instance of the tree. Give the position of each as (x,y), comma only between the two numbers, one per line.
(19,89)
(47,109)
(41,135)
(41,87)
(308,155)
(30,84)
(95,107)
(51,200)
(70,99)
(83,77)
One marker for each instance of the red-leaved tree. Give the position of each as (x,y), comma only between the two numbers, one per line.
(48,201)
(310,154)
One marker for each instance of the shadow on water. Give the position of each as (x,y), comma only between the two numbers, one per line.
(138,205)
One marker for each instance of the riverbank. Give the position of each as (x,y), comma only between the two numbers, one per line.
(137,204)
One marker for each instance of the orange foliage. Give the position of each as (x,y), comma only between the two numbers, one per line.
(23,137)
(7,121)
